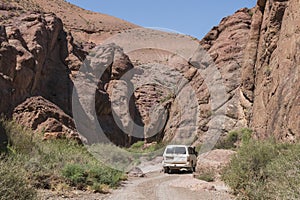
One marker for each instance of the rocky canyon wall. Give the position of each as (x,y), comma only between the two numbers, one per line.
(270,78)
(256,51)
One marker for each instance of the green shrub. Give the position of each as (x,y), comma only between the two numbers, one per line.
(138,145)
(207,176)
(112,155)
(245,135)
(20,140)
(75,163)
(245,172)
(155,148)
(13,182)
(48,164)
(91,176)
(228,142)
(238,136)
(75,173)
(284,174)
(104,175)
(264,170)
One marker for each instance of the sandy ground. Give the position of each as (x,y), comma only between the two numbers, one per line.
(155,185)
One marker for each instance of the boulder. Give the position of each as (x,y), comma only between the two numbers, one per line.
(45,118)
(214,161)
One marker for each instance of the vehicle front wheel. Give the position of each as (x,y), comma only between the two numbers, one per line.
(166,170)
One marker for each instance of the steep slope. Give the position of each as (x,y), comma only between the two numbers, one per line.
(39,58)
(34,51)
(226,45)
(255,50)
(271,70)
(266,83)
(86,26)
(33,60)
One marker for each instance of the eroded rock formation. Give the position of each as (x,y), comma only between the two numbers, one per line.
(34,53)
(45,118)
(255,51)
(276,103)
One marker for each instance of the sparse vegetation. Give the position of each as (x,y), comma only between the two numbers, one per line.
(265,170)
(207,176)
(137,146)
(234,138)
(250,12)
(140,147)
(268,70)
(51,164)
(167,98)
(14,184)
(198,148)
(76,174)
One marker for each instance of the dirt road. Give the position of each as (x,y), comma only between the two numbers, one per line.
(160,186)
(154,186)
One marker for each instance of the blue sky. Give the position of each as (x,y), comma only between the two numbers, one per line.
(191,17)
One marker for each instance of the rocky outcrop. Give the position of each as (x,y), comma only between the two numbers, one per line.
(162,102)
(36,56)
(33,61)
(226,44)
(42,66)
(101,95)
(265,81)
(214,161)
(276,92)
(255,51)
(40,57)
(45,118)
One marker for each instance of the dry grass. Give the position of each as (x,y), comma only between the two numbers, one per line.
(54,164)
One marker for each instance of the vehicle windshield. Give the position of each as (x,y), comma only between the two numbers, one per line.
(176,150)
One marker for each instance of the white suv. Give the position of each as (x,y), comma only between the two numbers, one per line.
(179,157)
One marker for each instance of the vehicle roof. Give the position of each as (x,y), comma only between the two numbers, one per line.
(177,145)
